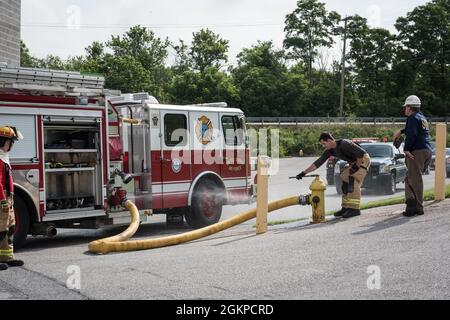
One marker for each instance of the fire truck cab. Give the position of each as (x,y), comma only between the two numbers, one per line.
(86,149)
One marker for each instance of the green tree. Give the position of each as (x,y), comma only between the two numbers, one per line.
(26,59)
(197,77)
(183,61)
(422,64)
(308,28)
(208,50)
(266,87)
(140,45)
(371,54)
(211,85)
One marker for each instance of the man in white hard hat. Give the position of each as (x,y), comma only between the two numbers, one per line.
(417,150)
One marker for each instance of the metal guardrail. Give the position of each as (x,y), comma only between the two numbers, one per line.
(331,120)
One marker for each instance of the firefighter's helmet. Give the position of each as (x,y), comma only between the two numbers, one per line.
(10,133)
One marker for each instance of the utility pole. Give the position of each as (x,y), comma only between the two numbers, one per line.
(341,104)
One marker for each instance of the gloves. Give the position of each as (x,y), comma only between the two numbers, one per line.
(300,175)
(354,169)
(398,142)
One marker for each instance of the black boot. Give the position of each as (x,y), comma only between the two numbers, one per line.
(339,213)
(3,266)
(411,209)
(15,263)
(351,213)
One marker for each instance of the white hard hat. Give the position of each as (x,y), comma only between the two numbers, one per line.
(412,101)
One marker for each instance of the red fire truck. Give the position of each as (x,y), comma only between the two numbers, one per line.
(87,148)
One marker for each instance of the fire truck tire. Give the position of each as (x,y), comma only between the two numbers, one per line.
(22,222)
(207,203)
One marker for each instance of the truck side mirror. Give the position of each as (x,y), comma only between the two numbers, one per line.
(399,156)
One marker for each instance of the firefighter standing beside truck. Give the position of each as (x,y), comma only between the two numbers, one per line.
(353,174)
(8,135)
(418,153)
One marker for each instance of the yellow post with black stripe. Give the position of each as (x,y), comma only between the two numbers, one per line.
(317,200)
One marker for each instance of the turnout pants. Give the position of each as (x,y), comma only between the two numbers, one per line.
(413,181)
(7,223)
(351,183)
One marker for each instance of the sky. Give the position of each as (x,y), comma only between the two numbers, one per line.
(66,27)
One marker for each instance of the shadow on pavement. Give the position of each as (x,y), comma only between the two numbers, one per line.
(385,224)
(307,225)
(73,237)
(252,235)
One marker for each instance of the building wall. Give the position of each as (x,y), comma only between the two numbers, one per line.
(10,32)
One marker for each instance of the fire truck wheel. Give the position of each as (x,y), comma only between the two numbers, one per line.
(22,222)
(207,202)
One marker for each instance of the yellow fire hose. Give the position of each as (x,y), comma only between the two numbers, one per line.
(119,243)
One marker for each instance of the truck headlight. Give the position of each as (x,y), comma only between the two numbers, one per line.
(384,168)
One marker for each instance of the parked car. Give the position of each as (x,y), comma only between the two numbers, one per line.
(387,168)
(433,155)
(447,161)
(331,162)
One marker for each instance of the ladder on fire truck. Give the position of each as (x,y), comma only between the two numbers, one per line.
(52,82)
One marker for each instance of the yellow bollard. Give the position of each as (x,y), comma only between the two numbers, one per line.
(317,200)
(262,200)
(440,169)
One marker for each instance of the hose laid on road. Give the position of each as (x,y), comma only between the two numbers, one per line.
(96,246)
(119,243)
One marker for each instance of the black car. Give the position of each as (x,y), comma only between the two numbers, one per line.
(331,162)
(387,168)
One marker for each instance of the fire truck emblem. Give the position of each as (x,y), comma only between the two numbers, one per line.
(204,130)
(176,165)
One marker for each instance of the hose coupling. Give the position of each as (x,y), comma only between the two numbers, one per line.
(304,200)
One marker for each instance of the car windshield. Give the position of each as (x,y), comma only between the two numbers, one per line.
(378,151)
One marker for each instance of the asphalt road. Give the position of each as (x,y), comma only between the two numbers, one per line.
(378,255)
(292,261)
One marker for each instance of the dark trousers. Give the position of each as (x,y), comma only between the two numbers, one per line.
(414,182)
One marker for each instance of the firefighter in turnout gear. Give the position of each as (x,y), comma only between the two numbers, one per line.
(418,154)
(8,135)
(353,174)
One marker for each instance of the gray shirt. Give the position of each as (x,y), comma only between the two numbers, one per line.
(345,150)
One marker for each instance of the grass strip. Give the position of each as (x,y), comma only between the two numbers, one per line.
(428,195)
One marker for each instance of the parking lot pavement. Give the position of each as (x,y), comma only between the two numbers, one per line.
(378,255)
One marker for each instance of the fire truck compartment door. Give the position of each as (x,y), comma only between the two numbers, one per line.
(24,150)
(175,158)
(139,156)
